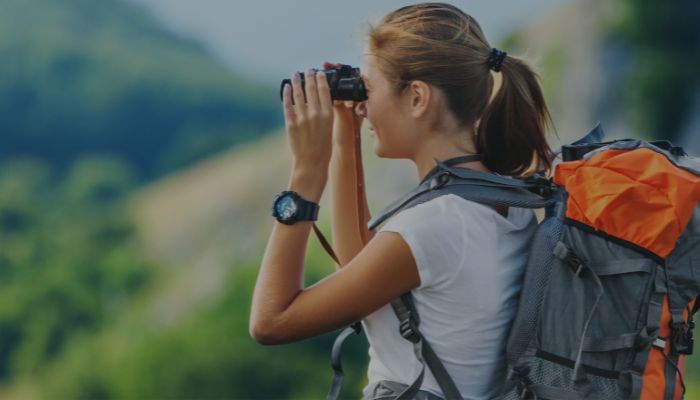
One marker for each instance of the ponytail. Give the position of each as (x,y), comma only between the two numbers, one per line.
(511,132)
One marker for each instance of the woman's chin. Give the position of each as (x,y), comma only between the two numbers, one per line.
(377,152)
(377,147)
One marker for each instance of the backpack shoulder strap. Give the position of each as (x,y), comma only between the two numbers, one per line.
(481,187)
(408,326)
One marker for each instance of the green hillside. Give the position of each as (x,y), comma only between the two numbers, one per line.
(84,76)
(112,292)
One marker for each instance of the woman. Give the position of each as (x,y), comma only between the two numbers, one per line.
(436,89)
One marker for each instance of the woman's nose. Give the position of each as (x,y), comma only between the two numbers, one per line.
(361,109)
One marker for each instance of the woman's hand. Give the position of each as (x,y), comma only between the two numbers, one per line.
(346,122)
(309,122)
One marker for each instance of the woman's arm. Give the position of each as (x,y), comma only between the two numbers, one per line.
(282,309)
(349,210)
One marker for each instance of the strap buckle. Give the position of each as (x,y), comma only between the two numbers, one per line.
(439,180)
(542,185)
(521,387)
(576,264)
(682,337)
(408,330)
(564,253)
(660,343)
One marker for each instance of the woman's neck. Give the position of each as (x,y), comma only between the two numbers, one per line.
(443,147)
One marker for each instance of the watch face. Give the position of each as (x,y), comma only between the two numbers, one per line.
(286,207)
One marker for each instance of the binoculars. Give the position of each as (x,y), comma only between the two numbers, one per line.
(344,81)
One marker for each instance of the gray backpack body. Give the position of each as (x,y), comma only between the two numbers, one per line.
(604,314)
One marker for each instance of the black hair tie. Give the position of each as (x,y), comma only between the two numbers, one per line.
(496,59)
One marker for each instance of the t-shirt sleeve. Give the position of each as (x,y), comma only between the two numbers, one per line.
(432,241)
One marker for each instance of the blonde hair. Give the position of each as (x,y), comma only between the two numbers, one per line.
(441,45)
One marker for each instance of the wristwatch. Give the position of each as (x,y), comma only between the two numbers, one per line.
(288,207)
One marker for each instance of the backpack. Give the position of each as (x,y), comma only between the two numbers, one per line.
(611,280)
(610,286)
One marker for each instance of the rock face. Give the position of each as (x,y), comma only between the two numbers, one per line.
(583,71)
(578,67)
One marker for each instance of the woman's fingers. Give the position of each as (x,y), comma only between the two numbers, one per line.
(324,93)
(311,92)
(290,117)
(298,95)
(311,101)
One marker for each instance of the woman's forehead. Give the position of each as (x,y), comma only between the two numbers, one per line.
(367,69)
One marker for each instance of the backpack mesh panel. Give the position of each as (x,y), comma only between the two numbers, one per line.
(547,373)
(536,280)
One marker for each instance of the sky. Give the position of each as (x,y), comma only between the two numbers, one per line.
(267,40)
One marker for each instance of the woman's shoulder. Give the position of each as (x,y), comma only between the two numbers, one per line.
(450,208)
(516,218)
(450,228)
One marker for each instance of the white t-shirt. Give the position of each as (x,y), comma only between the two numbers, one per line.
(470,260)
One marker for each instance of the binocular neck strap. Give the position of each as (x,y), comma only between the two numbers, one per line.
(452,161)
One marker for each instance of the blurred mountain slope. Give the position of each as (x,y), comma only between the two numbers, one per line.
(80,76)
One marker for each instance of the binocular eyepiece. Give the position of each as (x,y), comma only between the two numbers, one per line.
(344,81)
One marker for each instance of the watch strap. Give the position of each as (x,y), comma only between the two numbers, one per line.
(307,210)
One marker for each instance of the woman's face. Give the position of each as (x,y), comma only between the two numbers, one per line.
(388,116)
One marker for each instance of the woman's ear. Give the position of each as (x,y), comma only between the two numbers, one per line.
(420,96)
